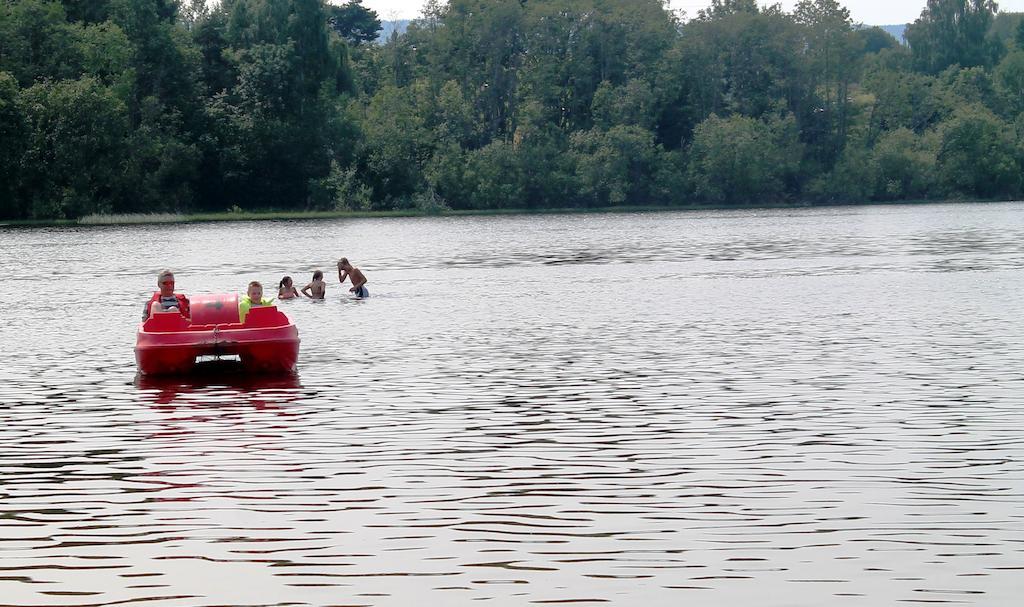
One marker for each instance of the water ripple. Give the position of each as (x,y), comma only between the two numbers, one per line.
(780,407)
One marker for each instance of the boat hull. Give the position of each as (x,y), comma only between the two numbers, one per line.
(267,343)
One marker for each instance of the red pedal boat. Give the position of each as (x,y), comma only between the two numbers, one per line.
(266,343)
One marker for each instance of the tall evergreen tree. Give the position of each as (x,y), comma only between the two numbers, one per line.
(831,48)
(355,23)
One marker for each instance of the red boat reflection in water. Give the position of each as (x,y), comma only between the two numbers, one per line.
(213,384)
(267,343)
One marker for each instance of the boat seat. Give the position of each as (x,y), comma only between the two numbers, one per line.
(164,322)
(265,316)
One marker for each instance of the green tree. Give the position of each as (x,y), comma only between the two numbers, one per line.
(978,155)
(454,119)
(616,166)
(903,166)
(972,85)
(446,175)
(953,32)
(267,151)
(74,147)
(12,137)
(831,48)
(736,59)
(241,23)
(178,104)
(492,178)
(37,42)
(1004,27)
(87,11)
(210,33)
(721,9)
(740,160)
(161,169)
(193,12)
(875,40)
(355,23)
(275,71)
(105,53)
(903,99)
(399,66)
(307,29)
(1009,82)
(164,60)
(620,45)
(851,179)
(480,44)
(547,168)
(396,144)
(630,104)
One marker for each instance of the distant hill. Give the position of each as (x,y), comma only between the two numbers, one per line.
(390,26)
(400,25)
(896,31)
(1005,26)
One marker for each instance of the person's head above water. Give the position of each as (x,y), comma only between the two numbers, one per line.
(285,282)
(344,264)
(165,281)
(318,275)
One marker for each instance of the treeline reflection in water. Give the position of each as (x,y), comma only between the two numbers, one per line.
(792,423)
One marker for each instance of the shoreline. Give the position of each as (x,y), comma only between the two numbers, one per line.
(273,215)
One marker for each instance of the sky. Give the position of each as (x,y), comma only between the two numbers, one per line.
(871,12)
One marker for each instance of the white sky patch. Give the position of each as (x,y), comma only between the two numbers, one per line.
(871,12)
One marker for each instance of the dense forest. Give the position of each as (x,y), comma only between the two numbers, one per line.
(138,106)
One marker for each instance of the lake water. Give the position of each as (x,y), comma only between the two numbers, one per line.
(786,407)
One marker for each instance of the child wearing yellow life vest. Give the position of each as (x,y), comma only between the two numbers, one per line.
(254,297)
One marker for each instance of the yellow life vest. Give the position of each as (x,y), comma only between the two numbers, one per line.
(244,304)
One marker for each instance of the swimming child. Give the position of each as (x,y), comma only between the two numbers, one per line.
(345,270)
(286,289)
(253,298)
(318,286)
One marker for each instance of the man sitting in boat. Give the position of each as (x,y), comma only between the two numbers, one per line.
(166,300)
(254,297)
